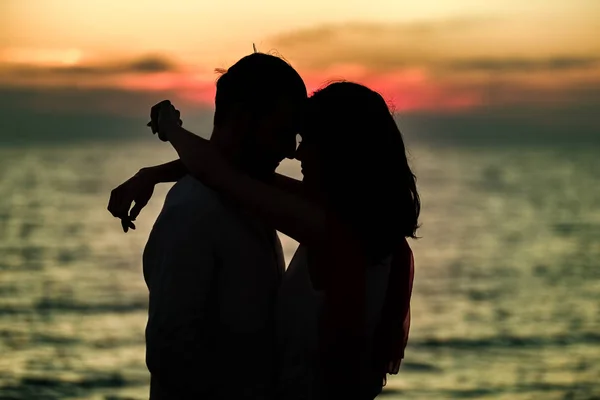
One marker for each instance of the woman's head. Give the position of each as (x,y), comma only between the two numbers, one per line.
(352,152)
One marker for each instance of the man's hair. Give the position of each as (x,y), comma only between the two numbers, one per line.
(256,83)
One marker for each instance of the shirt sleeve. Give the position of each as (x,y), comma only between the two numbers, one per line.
(177,336)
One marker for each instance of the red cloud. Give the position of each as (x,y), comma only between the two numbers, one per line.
(194,89)
(405,90)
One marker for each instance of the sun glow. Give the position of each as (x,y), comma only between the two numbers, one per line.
(42,57)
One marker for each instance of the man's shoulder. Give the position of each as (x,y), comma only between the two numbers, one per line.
(190,205)
(189,192)
(190,208)
(197,203)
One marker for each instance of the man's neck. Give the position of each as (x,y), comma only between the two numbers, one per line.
(238,155)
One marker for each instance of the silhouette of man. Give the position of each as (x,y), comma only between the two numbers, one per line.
(213,270)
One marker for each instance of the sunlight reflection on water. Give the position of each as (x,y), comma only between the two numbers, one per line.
(506,290)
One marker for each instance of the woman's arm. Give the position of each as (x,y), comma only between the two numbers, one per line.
(139,190)
(293,215)
(176,169)
(288,184)
(164,173)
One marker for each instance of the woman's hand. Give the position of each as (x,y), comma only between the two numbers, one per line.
(138,189)
(164,116)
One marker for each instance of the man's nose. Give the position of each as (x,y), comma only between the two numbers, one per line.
(290,149)
(298,153)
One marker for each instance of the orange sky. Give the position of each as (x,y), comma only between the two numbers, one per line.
(430,55)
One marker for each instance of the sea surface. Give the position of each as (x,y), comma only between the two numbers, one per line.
(507,290)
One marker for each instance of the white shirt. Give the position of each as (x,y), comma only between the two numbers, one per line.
(212,273)
(298,309)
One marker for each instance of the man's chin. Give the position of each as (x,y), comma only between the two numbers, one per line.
(270,166)
(265,171)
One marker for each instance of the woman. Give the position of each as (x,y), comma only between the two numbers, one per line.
(352,274)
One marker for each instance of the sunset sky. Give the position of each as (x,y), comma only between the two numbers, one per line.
(439,57)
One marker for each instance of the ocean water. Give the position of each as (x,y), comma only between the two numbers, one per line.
(507,290)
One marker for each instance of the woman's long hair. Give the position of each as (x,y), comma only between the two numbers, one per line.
(367,178)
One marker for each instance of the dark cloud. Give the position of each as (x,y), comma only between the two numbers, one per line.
(147,64)
(525,65)
(402,31)
(151,64)
(65,115)
(455,45)
(372,45)
(571,120)
(62,115)
(532,126)
(79,100)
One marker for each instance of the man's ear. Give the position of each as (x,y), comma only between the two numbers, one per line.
(246,123)
(240,126)
(241,119)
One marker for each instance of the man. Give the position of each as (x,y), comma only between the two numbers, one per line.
(212,270)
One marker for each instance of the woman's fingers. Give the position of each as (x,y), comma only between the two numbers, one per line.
(118,206)
(155,112)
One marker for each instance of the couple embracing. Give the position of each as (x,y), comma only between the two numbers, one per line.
(226,319)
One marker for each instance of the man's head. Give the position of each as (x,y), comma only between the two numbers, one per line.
(258,106)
